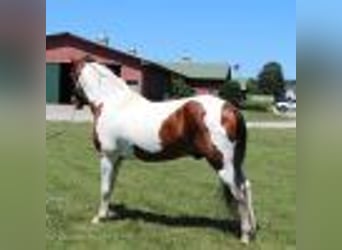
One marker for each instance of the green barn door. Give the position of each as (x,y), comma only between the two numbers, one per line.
(52,82)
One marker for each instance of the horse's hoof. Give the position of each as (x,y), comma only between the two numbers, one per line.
(106,216)
(245,239)
(96,220)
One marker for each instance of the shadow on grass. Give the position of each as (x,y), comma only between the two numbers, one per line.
(125,213)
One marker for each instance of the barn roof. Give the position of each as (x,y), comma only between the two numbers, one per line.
(196,70)
(68,35)
(189,69)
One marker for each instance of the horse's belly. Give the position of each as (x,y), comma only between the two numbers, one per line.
(165,154)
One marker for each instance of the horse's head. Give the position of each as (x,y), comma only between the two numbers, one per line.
(94,82)
(79,98)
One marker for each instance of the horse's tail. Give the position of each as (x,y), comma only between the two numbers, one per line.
(240,148)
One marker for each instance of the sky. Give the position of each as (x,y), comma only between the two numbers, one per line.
(245,32)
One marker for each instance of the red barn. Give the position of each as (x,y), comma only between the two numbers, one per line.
(142,75)
(204,78)
(147,77)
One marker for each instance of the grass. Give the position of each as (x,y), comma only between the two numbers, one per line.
(259,108)
(253,115)
(173,205)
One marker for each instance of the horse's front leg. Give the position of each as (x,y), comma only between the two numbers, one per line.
(109,164)
(243,196)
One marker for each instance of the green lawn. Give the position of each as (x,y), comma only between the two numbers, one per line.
(172,205)
(252,115)
(258,108)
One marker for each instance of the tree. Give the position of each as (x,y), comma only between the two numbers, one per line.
(231,91)
(178,88)
(271,79)
(252,86)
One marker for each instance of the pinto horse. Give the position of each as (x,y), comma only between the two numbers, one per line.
(203,126)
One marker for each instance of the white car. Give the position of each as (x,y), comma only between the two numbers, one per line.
(286,106)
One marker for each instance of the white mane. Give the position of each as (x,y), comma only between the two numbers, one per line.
(100,83)
(110,76)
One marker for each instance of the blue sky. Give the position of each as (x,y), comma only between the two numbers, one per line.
(246,32)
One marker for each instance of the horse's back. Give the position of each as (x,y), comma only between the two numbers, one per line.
(139,123)
(152,125)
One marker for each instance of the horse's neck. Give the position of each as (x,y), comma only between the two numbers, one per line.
(102,85)
(111,92)
(99,89)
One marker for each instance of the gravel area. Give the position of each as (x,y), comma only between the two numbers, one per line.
(67,113)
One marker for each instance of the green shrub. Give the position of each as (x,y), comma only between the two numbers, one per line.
(178,88)
(256,105)
(253,87)
(231,91)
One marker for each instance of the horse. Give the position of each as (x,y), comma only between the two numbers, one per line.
(202,126)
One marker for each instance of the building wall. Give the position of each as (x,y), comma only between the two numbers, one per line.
(64,50)
(67,49)
(66,54)
(132,74)
(205,86)
(146,78)
(154,83)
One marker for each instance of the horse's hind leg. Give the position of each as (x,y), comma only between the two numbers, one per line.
(109,170)
(248,194)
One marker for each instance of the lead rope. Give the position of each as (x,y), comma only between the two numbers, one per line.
(62,131)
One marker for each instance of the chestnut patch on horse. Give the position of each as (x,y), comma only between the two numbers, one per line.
(184,133)
(229,120)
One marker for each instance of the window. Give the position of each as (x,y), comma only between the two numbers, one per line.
(132,82)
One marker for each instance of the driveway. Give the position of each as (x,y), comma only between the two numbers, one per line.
(67,113)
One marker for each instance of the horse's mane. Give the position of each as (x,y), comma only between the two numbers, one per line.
(105,71)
